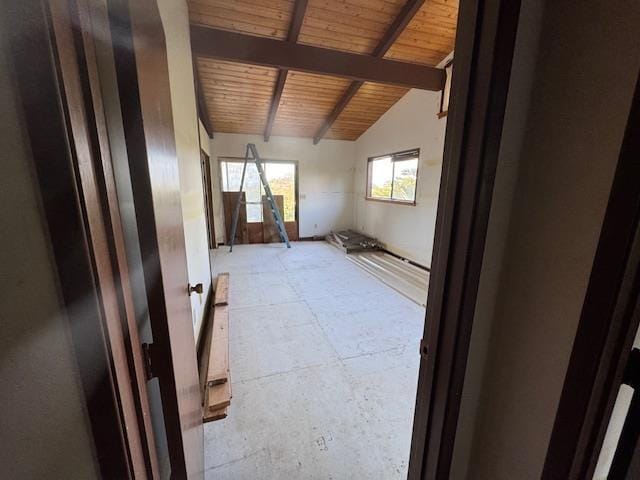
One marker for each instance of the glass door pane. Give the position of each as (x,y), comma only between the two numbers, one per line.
(282,180)
(404,180)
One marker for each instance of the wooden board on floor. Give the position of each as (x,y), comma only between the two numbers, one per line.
(221,296)
(218,370)
(212,416)
(218,396)
(269,227)
(229,200)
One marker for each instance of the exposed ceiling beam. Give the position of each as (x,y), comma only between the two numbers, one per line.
(391,35)
(297,17)
(237,47)
(203,110)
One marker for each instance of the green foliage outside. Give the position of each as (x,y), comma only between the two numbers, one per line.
(285,186)
(404,186)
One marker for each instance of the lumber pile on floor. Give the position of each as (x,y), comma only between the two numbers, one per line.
(350,241)
(410,280)
(214,362)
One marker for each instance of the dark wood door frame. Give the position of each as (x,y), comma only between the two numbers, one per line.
(143,83)
(208,199)
(484,49)
(50,64)
(608,323)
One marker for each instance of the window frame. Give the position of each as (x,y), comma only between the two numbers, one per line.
(368,196)
(295,163)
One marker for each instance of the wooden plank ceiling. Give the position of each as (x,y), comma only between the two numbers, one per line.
(238,96)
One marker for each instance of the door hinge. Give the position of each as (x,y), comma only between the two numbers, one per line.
(424,348)
(148,351)
(632,370)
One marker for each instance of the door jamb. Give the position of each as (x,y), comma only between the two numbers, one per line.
(485,41)
(56,166)
(205,162)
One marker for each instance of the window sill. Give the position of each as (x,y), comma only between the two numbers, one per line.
(394,202)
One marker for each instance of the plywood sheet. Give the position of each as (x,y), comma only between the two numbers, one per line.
(229,200)
(269,228)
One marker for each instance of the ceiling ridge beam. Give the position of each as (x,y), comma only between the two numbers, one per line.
(297,17)
(388,39)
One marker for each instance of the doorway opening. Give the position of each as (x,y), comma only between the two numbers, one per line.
(255,223)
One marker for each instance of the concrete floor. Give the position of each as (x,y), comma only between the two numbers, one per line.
(324,364)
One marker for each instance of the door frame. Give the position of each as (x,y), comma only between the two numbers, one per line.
(485,42)
(57,91)
(608,323)
(296,164)
(208,198)
(142,75)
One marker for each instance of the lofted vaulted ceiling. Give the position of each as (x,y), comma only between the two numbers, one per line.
(239,97)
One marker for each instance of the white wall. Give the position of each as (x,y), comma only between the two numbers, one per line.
(204,139)
(565,146)
(404,229)
(325,178)
(175,19)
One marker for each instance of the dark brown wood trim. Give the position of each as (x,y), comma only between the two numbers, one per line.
(45,108)
(608,323)
(143,83)
(299,11)
(90,23)
(275,102)
(388,39)
(237,47)
(484,51)
(349,93)
(208,199)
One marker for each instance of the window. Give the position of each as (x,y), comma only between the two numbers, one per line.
(280,175)
(393,178)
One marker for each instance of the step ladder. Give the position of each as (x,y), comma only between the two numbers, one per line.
(253,151)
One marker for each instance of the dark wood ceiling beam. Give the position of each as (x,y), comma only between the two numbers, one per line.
(391,35)
(267,52)
(299,10)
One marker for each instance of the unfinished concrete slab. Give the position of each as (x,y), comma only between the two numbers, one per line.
(324,364)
